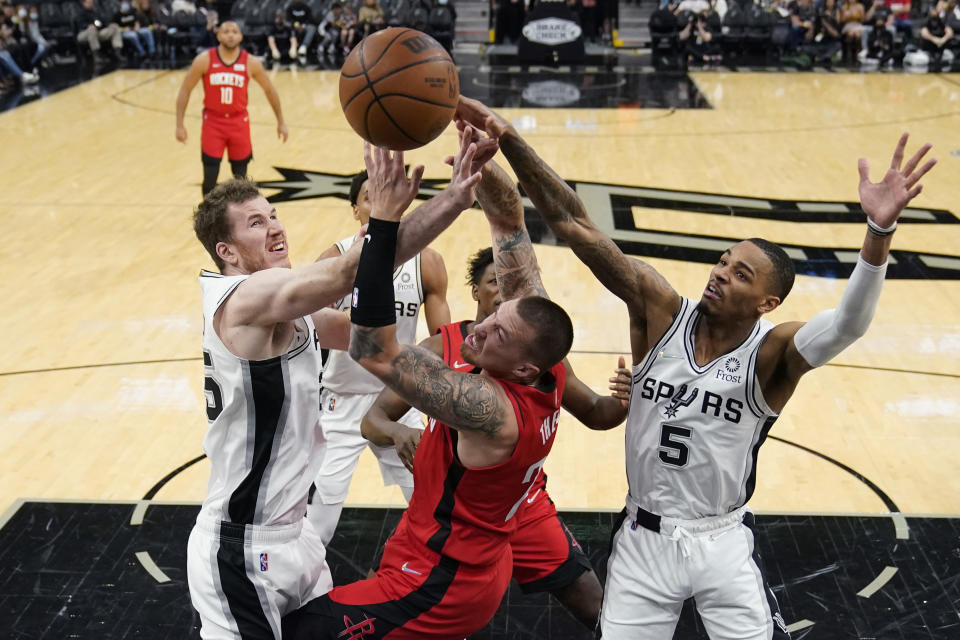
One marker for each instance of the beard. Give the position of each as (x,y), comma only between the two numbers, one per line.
(703,309)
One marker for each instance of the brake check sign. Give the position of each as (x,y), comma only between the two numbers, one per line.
(551,31)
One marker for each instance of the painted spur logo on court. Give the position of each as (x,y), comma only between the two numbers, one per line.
(612,207)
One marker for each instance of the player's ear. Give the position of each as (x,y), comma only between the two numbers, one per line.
(227,254)
(475,292)
(768,304)
(526,371)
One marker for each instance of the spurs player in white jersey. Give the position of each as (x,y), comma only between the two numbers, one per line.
(349,389)
(710,378)
(252,556)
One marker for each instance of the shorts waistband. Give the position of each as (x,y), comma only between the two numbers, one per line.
(701,526)
(250,532)
(225,116)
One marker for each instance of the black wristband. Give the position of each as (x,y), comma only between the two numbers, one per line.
(372,304)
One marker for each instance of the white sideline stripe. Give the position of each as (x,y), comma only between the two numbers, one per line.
(878,582)
(151,567)
(800,624)
(139,512)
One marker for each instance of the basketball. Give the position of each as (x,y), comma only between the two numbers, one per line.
(399,88)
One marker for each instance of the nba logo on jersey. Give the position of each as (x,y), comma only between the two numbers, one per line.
(356,294)
(331,404)
(263,562)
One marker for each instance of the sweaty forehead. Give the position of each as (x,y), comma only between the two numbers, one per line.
(240,211)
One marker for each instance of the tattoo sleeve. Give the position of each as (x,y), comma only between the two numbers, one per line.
(518,273)
(564,212)
(464,401)
(365,342)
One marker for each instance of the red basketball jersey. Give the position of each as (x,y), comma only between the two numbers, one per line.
(469,514)
(225,85)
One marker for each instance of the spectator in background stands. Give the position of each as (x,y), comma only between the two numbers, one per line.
(282,34)
(802,15)
(851,29)
(329,30)
(133,30)
(701,36)
(901,16)
(509,22)
(348,28)
(934,37)
(27,31)
(208,37)
(442,23)
(150,18)
(92,28)
(370,18)
(304,29)
(877,13)
(822,41)
(880,41)
(12,73)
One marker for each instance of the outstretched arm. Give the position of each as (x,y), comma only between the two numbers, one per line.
(794,348)
(648,295)
(381,425)
(470,403)
(593,410)
(194,73)
(518,274)
(257,73)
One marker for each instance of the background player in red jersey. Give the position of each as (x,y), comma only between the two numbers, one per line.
(546,556)
(226,71)
(447,566)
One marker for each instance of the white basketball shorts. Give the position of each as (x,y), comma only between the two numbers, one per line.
(650,574)
(340,421)
(243,578)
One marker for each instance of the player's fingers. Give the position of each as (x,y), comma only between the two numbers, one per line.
(468,157)
(448,160)
(897,159)
(864,166)
(415,177)
(913,193)
(367,157)
(621,363)
(916,158)
(914,177)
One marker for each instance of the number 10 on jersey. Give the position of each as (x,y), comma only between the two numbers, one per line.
(226,95)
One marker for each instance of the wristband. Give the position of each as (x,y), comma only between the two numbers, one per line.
(877,230)
(373,304)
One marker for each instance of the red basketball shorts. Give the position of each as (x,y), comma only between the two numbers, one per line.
(415,594)
(221,133)
(546,556)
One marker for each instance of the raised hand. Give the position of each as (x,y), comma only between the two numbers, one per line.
(884,201)
(620,383)
(479,115)
(486,147)
(389,189)
(463,183)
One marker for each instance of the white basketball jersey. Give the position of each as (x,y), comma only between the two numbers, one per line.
(264,439)
(342,373)
(693,431)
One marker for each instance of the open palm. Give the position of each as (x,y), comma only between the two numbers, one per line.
(884,201)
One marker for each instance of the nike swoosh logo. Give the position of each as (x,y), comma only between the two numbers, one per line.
(405,569)
(367,237)
(461,365)
(533,497)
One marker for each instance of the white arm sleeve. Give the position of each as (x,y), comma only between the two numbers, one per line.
(830,332)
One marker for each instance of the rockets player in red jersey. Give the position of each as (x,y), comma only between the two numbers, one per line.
(448,564)
(546,556)
(226,71)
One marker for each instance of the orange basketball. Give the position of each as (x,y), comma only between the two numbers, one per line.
(399,88)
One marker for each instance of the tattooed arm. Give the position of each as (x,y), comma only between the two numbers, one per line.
(475,405)
(651,301)
(518,274)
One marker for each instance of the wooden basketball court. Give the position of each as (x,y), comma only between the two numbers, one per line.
(101,392)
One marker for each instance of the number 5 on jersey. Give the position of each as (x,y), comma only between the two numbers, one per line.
(211,389)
